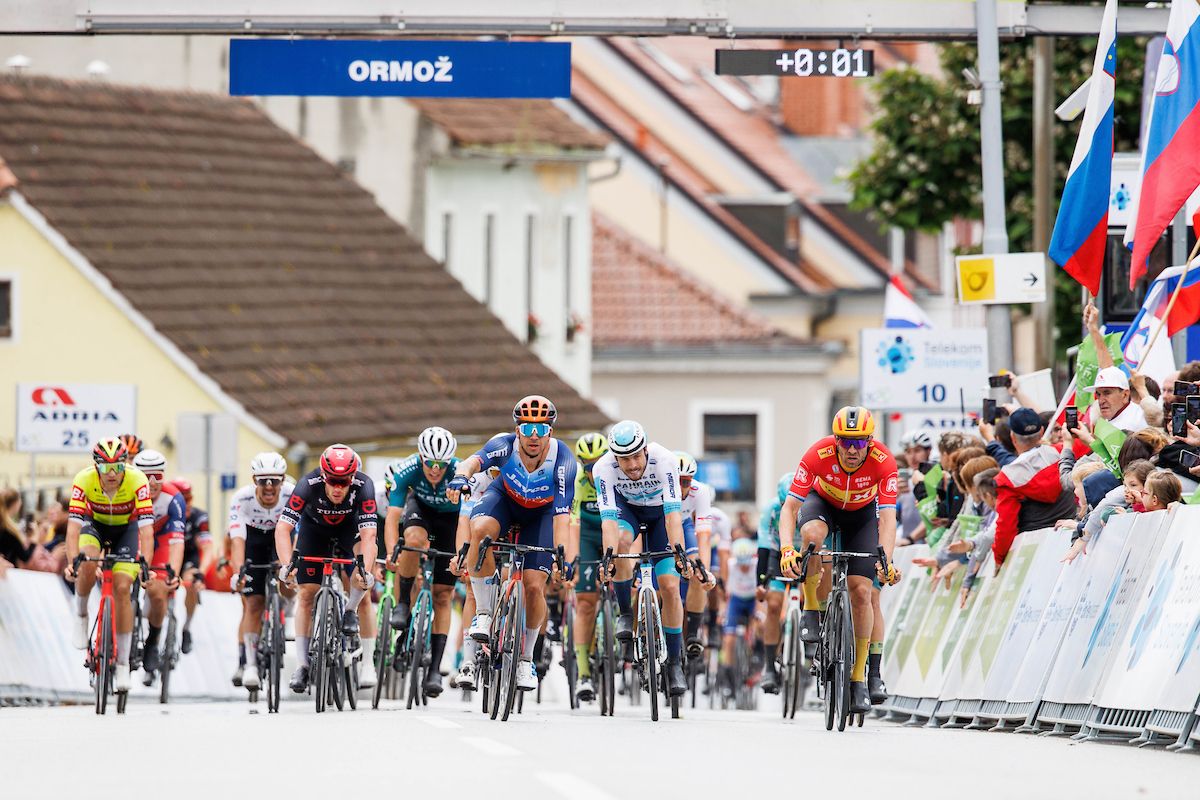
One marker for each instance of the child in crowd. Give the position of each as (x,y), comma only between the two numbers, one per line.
(1128,496)
(1161,489)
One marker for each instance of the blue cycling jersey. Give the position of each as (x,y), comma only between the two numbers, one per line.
(552,483)
(409,475)
(768,527)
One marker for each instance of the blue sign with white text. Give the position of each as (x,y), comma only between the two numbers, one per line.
(399,68)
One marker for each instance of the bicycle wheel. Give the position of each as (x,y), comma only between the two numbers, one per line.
(274,649)
(650,651)
(846,661)
(794,668)
(334,655)
(317,654)
(382,649)
(168,659)
(104,658)
(608,657)
(514,621)
(417,636)
(570,666)
(350,681)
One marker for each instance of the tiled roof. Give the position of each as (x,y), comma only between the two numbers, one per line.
(641,299)
(271,270)
(524,124)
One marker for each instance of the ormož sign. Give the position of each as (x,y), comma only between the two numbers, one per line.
(69,418)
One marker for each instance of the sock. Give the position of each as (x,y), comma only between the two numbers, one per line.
(531,640)
(368,649)
(674,638)
(124,645)
(539,646)
(187,623)
(468,650)
(404,590)
(861,647)
(483,594)
(302,649)
(437,647)
(811,584)
(623,589)
(242,654)
(769,654)
(874,658)
(582,651)
(81,605)
(152,636)
(250,643)
(695,620)
(356,596)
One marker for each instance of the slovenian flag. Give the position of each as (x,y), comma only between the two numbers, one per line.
(899,308)
(1171,152)
(1081,230)
(1160,361)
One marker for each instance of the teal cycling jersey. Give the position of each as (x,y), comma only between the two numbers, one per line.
(768,527)
(409,475)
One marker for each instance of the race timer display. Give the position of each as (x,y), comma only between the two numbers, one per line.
(803,62)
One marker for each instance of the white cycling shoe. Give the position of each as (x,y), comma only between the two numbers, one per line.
(367,677)
(250,677)
(121,680)
(527,679)
(481,627)
(465,679)
(79,633)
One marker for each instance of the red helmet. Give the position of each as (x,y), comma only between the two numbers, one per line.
(534,408)
(184,486)
(133,445)
(339,461)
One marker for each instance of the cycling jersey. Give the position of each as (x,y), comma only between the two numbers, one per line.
(768,527)
(821,469)
(697,505)
(478,484)
(722,538)
(743,561)
(657,487)
(410,475)
(169,516)
(196,528)
(131,500)
(586,508)
(248,517)
(552,483)
(309,502)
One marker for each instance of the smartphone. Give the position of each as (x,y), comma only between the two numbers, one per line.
(1183,389)
(1189,459)
(1072,421)
(1193,408)
(989,411)
(1000,381)
(1178,419)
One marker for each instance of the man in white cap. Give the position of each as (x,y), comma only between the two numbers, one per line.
(1112,400)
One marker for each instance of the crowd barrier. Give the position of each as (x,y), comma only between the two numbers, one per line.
(1107,646)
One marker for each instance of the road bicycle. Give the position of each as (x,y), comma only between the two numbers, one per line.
(333,654)
(271,642)
(506,638)
(696,666)
(566,636)
(791,655)
(415,654)
(101,659)
(388,670)
(603,653)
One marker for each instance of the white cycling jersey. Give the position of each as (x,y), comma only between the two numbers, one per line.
(722,529)
(658,485)
(478,483)
(743,563)
(697,505)
(247,515)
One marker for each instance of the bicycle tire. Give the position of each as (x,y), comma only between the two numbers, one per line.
(795,668)
(104,657)
(650,651)
(825,653)
(416,654)
(319,686)
(168,659)
(570,664)
(275,669)
(350,681)
(333,656)
(846,661)
(609,658)
(382,662)
(514,646)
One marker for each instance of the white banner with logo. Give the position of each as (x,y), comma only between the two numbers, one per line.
(70,417)
(922,369)
(962,643)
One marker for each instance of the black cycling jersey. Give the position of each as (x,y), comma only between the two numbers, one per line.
(310,502)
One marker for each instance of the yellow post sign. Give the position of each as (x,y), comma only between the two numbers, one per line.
(1004,278)
(977,279)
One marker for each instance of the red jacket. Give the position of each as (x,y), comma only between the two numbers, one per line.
(1029,496)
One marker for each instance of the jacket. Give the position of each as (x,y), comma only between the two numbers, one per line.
(1030,496)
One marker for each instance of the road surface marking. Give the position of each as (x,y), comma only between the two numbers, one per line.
(439,722)
(571,787)
(491,746)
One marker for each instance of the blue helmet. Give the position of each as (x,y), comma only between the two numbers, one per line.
(626,438)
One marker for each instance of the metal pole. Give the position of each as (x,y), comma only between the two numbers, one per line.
(995,229)
(1043,191)
(1179,255)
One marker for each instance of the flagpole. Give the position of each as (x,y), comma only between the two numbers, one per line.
(1162,322)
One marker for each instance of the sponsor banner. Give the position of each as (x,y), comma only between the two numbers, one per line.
(923,369)
(939,624)
(913,584)
(952,656)
(70,417)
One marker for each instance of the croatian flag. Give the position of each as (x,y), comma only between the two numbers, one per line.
(1161,359)
(899,308)
(1081,230)
(1171,151)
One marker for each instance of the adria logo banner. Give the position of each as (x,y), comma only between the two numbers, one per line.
(69,418)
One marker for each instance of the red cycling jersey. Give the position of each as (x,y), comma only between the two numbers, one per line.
(820,468)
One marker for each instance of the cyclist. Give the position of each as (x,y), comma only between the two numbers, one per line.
(417,501)
(533,492)
(197,555)
(168,550)
(331,507)
(769,588)
(588,540)
(722,541)
(133,446)
(253,515)
(739,611)
(637,483)
(110,510)
(696,508)
(855,481)
(477,485)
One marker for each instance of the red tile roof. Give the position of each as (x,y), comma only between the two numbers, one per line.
(642,299)
(270,269)
(526,124)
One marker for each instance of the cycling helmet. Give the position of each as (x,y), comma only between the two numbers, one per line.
(436,444)
(339,461)
(853,422)
(591,446)
(184,486)
(687,465)
(150,461)
(784,486)
(133,445)
(534,408)
(626,438)
(268,465)
(109,451)
(916,438)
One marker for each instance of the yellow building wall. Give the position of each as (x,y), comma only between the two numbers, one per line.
(66,331)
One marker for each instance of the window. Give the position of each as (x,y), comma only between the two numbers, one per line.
(447,233)
(567,267)
(733,439)
(531,318)
(6,309)
(489,254)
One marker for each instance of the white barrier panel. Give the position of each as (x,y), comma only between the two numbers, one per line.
(962,643)
(902,558)
(1157,645)
(1043,649)
(902,628)
(1103,611)
(922,674)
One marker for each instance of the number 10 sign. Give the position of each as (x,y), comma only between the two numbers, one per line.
(920,368)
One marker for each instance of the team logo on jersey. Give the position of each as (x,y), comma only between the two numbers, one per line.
(802,476)
(296,503)
(78,494)
(368,506)
(862,481)
(143,493)
(825,452)
(878,455)
(892,485)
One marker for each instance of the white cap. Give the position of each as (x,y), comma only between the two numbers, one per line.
(1110,378)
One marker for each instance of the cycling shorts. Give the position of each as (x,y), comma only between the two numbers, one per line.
(260,549)
(858,529)
(535,526)
(690,543)
(653,520)
(324,541)
(117,540)
(442,530)
(738,613)
(591,548)
(773,582)
(191,553)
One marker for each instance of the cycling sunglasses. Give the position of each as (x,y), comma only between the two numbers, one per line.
(434,463)
(106,468)
(269,481)
(158,476)
(338,482)
(854,443)
(538,429)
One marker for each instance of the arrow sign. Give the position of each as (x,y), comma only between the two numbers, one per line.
(1007,278)
(1031,279)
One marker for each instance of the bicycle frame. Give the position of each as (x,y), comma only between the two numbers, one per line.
(333,653)
(101,658)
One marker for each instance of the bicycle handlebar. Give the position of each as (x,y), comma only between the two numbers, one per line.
(487,543)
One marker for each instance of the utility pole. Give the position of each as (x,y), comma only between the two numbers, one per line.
(995,228)
(1043,191)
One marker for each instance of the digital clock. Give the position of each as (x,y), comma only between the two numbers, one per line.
(803,62)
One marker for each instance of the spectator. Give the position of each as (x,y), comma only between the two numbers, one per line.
(1077,475)
(15,546)
(1145,392)
(1113,400)
(1189,373)
(985,485)
(1127,495)
(918,449)
(1162,488)
(912,528)
(1029,490)
(998,441)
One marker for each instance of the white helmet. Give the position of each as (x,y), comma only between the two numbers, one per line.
(436,444)
(626,438)
(268,465)
(150,461)
(916,438)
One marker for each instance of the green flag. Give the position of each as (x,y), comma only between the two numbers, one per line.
(968,526)
(1087,366)
(1107,444)
(927,508)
